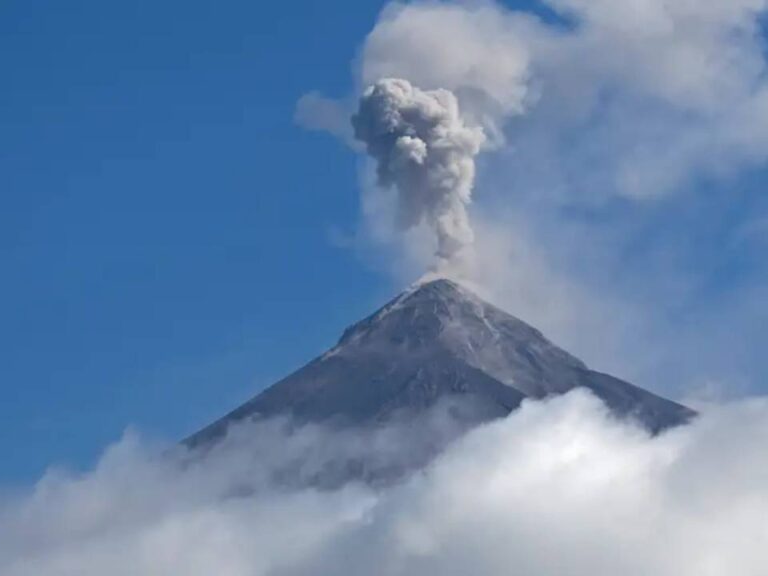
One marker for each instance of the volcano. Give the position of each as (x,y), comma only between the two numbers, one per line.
(433,342)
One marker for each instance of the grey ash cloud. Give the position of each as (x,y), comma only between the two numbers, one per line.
(423,147)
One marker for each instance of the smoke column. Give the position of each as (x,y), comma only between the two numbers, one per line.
(424,149)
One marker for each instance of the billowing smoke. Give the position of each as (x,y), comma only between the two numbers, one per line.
(425,149)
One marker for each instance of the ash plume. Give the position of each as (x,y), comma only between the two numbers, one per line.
(424,148)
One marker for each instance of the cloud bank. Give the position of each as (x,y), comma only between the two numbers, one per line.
(559,487)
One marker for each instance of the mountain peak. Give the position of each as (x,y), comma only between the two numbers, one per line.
(436,340)
(441,315)
(419,312)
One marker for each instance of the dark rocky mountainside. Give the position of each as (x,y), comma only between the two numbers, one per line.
(436,341)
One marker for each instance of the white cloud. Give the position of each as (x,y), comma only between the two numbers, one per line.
(557,488)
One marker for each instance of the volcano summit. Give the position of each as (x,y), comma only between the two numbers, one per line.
(439,341)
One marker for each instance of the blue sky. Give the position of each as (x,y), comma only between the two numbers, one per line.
(168,236)
(165,231)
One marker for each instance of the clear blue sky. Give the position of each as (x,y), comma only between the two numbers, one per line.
(164,232)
